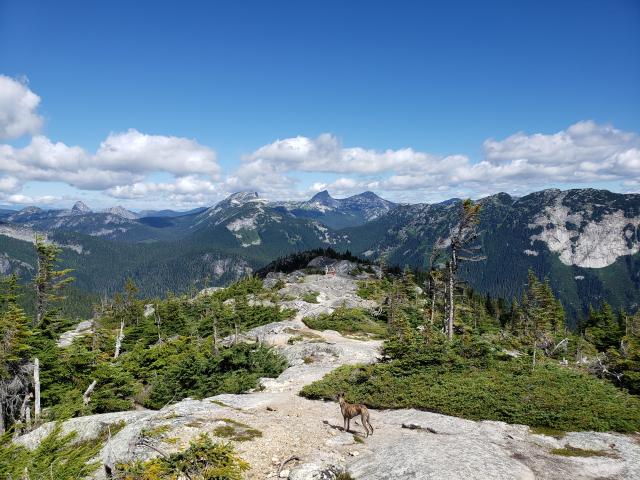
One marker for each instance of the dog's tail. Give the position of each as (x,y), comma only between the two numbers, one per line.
(366,422)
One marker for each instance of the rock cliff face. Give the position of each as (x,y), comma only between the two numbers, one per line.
(585,239)
(406,444)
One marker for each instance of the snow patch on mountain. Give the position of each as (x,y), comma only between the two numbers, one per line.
(246,223)
(104,232)
(582,241)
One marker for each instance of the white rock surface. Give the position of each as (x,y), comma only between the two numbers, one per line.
(596,245)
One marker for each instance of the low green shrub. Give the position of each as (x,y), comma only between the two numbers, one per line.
(57,456)
(203,460)
(197,371)
(310,297)
(349,321)
(549,396)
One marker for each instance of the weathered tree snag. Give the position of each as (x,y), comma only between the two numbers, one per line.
(116,354)
(86,397)
(36,388)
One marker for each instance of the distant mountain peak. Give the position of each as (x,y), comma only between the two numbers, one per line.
(31,209)
(240,198)
(323,198)
(121,212)
(369,195)
(80,208)
(321,195)
(237,199)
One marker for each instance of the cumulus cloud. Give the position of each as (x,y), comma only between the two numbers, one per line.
(9,184)
(326,154)
(584,153)
(185,190)
(30,200)
(139,152)
(18,105)
(122,159)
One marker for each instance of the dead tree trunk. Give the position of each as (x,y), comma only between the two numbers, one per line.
(2,427)
(86,397)
(36,389)
(433,303)
(451,305)
(116,354)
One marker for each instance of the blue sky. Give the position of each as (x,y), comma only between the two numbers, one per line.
(418,101)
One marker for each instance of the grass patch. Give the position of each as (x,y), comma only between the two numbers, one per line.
(236,431)
(562,399)
(344,476)
(348,321)
(194,424)
(549,432)
(310,297)
(156,431)
(358,439)
(569,451)
(301,335)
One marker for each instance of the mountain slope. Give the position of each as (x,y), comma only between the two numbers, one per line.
(586,241)
(339,213)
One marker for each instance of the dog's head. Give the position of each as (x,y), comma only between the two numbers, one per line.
(340,396)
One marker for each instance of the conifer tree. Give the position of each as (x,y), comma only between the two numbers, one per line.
(49,282)
(14,352)
(461,242)
(603,329)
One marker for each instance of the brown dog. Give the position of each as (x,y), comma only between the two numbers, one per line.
(350,410)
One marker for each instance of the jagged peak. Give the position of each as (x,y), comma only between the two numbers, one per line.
(323,195)
(80,207)
(240,198)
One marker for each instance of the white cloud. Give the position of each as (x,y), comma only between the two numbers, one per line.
(186,191)
(9,184)
(30,200)
(122,159)
(18,105)
(138,152)
(584,153)
(326,154)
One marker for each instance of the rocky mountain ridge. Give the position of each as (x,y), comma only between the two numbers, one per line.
(581,239)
